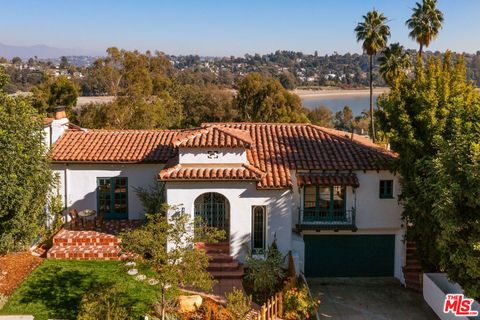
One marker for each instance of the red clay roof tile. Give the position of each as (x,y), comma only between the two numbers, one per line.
(327,179)
(272,148)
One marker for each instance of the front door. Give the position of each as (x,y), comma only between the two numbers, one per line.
(213,209)
(112,197)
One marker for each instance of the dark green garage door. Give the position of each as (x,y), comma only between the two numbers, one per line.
(349,256)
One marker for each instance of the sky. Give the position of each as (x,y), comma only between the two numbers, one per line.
(223,28)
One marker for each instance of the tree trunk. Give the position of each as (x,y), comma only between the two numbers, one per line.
(163,303)
(420,51)
(372,124)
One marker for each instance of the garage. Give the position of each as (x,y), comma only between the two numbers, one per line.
(349,255)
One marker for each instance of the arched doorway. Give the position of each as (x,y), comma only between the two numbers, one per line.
(214,210)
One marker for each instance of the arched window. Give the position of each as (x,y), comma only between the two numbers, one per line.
(259,224)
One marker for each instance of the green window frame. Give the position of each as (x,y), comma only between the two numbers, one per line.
(259,229)
(326,201)
(386,189)
(112,197)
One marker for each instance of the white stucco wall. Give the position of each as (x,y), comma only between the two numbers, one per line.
(81,183)
(223,155)
(373,214)
(241,196)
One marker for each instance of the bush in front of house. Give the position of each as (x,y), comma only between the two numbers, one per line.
(238,304)
(264,275)
(297,304)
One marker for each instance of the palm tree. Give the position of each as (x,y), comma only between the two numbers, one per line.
(374,32)
(425,23)
(394,61)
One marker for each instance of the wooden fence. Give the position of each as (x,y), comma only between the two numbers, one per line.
(272,309)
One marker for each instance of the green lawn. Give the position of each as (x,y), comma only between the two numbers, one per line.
(55,288)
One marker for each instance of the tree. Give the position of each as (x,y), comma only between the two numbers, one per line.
(288,80)
(264,99)
(16,60)
(4,79)
(431,121)
(55,92)
(166,245)
(25,176)
(64,64)
(394,62)
(205,104)
(132,113)
(453,185)
(374,32)
(344,119)
(321,116)
(425,23)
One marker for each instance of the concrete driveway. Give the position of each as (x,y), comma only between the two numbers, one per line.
(368,299)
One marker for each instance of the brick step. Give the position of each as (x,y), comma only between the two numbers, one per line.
(237,274)
(84,238)
(414,267)
(229,266)
(220,258)
(412,276)
(99,252)
(86,242)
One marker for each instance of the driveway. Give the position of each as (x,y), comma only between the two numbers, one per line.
(368,299)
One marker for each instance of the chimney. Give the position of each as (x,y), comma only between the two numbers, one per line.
(60,113)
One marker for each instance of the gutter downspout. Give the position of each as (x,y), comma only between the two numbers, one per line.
(65,186)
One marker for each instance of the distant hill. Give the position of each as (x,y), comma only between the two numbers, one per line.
(40,50)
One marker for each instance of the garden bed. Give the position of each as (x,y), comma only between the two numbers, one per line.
(14,268)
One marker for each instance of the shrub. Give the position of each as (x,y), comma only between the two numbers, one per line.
(102,303)
(212,311)
(297,304)
(239,305)
(265,275)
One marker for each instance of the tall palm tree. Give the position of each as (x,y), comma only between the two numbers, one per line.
(425,23)
(394,62)
(374,32)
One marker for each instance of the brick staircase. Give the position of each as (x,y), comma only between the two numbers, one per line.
(412,271)
(222,265)
(75,243)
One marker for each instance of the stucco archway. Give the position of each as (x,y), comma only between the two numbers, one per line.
(214,209)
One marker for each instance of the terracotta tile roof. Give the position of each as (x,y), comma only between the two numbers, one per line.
(275,149)
(327,179)
(197,173)
(213,136)
(114,146)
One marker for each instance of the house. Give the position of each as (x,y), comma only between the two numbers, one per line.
(325,195)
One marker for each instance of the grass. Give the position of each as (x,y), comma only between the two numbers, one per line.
(55,289)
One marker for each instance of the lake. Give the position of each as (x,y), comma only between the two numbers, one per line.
(357,102)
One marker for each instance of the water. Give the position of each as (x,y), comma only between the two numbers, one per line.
(335,102)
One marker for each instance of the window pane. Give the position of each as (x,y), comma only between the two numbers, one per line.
(258,227)
(324,199)
(310,197)
(104,195)
(338,200)
(386,188)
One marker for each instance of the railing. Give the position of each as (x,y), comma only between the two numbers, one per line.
(326,218)
(272,309)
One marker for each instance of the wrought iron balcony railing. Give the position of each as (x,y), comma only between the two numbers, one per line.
(318,219)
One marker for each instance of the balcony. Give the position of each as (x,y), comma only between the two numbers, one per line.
(318,219)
